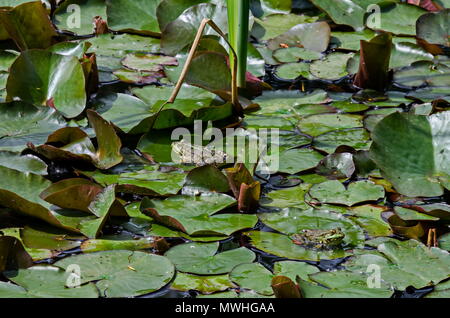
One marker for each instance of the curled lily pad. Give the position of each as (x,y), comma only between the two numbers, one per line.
(419,165)
(334,191)
(122,273)
(44,282)
(27,163)
(336,166)
(78,147)
(50,80)
(201,258)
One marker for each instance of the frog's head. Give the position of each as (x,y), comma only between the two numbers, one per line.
(334,236)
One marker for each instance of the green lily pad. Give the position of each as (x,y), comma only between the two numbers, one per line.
(43,282)
(332,67)
(297,160)
(412,215)
(419,166)
(48,79)
(312,36)
(273,25)
(286,198)
(293,54)
(344,12)
(282,246)
(434,27)
(291,71)
(99,245)
(406,263)
(204,179)
(253,276)
(335,192)
(19,23)
(441,290)
(147,181)
(181,32)
(293,221)
(147,62)
(27,163)
(66,18)
(201,258)
(342,284)
(316,125)
(358,138)
(203,284)
(399,18)
(337,166)
(127,274)
(137,16)
(197,215)
(22,123)
(370,219)
(405,53)
(423,72)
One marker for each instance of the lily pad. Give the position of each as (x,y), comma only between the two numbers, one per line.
(197,215)
(201,258)
(297,160)
(43,282)
(66,18)
(316,125)
(122,273)
(332,67)
(416,160)
(434,27)
(48,79)
(335,192)
(203,284)
(137,16)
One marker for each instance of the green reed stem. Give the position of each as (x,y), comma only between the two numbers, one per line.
(238,16)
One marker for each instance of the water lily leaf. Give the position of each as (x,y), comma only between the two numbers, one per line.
(27,163)
(344,12)
(276,5)
(181,32)
(136,17)
(169,10)
(441,290)
(22,123)
(399,18)
(66,19)
(297,160)
(50,79)
(332,67)
(412,215)
(284,287)
(405,263)
(405,53)
(374,63)
(419,165)
(138,77)
(434,27)
(351,40)
(337,166)
(98,245)
(294,54)
(312,36)
(342,284)
(293,221)
(292,269)
(282,246)
(197,215)
(147,181)
(335,192)
(36,254)
(316,125)
(423,72)
(203,284)
(20,192)
(275,24)
(201,258)
(128,274)
(78,147)
(444,242)
(291,71)
(20,25)
(163,231)
(206,178)
(286,198)
(369,217)
(357,138)
(12,254)
(147,62)
(43,282)
(253,276)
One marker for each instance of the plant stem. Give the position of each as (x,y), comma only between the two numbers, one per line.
(238,16)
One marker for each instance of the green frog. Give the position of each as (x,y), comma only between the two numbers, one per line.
(319,238)
(200,156)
